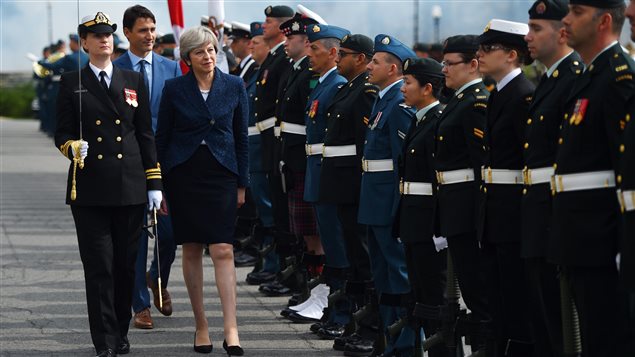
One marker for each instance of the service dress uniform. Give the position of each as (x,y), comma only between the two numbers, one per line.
(426,263)
(459,155)
(585,206)
(340,177)
(541,133)
(379,196)
(499,221)
(111,189)
(270,79)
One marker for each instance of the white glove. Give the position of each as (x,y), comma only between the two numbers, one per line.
(83,149)
(154,199)
(440,243)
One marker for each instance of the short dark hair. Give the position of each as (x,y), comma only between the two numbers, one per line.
(392,59)
(133,13)
(467,57)
(437,83)
(617,14)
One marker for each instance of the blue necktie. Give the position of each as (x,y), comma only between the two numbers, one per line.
(142,69)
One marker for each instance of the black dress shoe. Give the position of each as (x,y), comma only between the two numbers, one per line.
(360,347)
(202,348)
(339,343)
(316,326)
(331,331)
(275,289)
(245,260)
(261,277)
(233,350)
(124,346)
(106,353)
(299,319)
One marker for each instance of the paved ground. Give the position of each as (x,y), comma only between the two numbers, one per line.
(42,302)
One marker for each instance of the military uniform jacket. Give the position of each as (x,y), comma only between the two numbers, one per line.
(586,222)
(255,154)
(292,105)
(504,137)
(316,127)
(122,162)
(541,133)
(460,145)
(347,120)
(269,80)
(389,122)
(417,165)
(627,179)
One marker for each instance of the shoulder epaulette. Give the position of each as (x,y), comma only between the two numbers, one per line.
(404,105)
(623,66)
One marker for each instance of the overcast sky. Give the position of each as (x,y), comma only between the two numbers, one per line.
(25,25)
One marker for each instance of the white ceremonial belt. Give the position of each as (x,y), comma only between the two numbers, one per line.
(343,150)
(627,200)
(415,188)
(313,149)
(455,176)
(537,176)
(56,78)
(377,165)
(266,124)
(253,130)
(501,176)
(582,181)
(291,128)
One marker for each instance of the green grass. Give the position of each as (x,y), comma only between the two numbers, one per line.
(15,102)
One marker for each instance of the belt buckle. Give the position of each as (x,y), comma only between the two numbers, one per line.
(559,183)
(307,148)
(489,175)
(401,191)
(621,198)
(554,189)
(440,177)
(527,176)
(364,165)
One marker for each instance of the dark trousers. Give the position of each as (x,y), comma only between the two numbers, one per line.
(356,240)
(469,271)
(427,272)
(507,298)
(602,311)
(108,241)
(544,307)
(279,203)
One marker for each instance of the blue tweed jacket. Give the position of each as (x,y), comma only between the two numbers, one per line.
(185,120)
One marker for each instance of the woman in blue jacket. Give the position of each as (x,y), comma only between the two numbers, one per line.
(202,146)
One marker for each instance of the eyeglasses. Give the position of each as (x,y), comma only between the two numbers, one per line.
(490,48)
(450,64)
(342,54)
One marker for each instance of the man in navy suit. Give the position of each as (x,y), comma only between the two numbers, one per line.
(139,27)
(387,127)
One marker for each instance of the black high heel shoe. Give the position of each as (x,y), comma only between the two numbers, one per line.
(233,350)
(202,348)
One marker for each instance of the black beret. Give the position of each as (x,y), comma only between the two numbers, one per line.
(279,11)
(167,39)
(549,10)
(296,25)
(436,47)
(426,67)
(358,43)
(467,44)
(601,4)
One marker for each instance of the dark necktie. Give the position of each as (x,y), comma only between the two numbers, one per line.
(102,80)
(142,69)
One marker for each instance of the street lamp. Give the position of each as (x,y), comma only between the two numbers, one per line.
(436,16)
(416,21)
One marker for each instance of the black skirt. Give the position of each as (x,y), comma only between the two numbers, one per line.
(202,196)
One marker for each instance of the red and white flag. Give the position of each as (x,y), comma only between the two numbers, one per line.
(176,18)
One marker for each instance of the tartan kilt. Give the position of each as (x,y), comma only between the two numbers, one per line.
(301,214)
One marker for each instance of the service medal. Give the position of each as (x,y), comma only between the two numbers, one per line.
(376,121)
(579,111)
(313,109)
(131,97)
